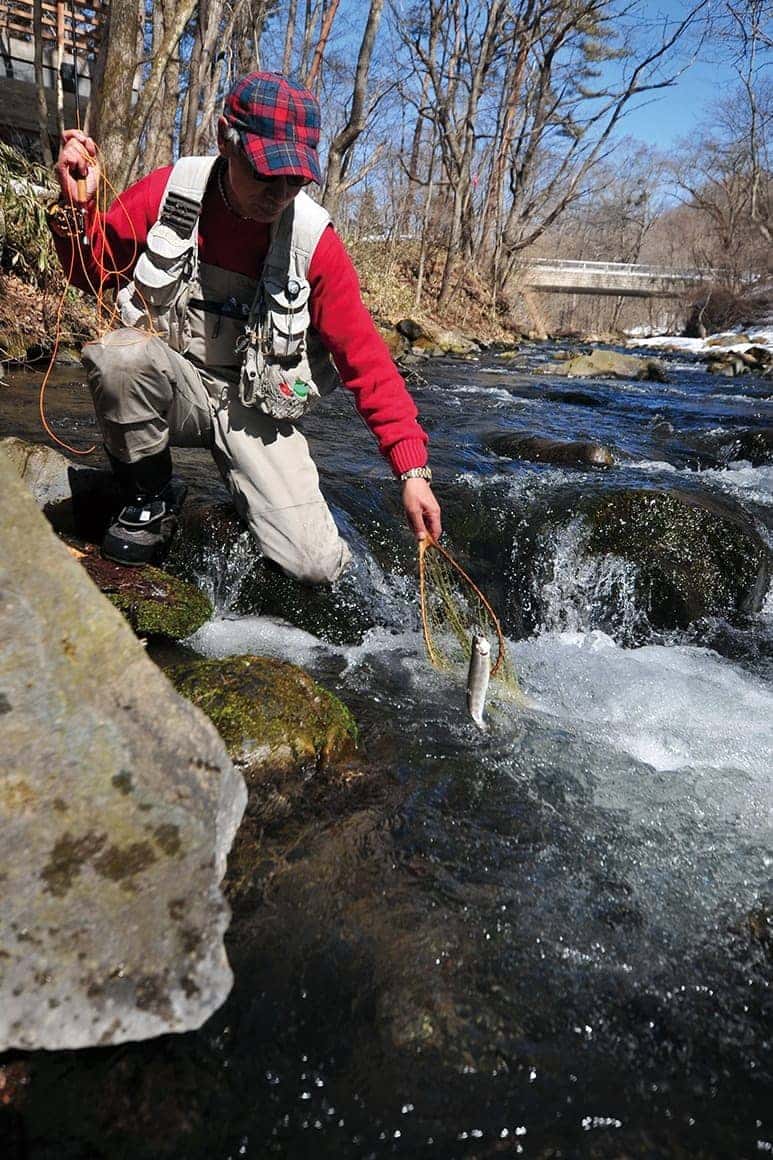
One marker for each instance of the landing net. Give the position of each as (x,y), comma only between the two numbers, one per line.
(453,610)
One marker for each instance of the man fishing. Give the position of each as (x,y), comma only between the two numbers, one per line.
(240,307)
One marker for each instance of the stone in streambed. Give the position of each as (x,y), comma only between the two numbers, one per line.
(697,555)
(213,541)
(281,729)
(154,602)
(269,713)
(577,453)
(608,364)
(118,804)
(76,498)
(575,398)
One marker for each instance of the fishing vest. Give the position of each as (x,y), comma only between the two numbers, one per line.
(283,364)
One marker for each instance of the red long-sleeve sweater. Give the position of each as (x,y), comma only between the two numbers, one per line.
(237,244)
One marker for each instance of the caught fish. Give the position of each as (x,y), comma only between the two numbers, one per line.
(478,678)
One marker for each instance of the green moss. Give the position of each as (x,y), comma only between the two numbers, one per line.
(163,605)
(696,562)
(264,708)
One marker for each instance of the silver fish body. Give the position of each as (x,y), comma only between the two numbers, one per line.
(478,678)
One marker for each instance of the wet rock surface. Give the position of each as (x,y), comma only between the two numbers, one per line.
(153,602)
(697,556)
(573,453)
(118,804)
(76,498)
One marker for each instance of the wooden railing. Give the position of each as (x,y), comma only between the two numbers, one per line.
(78,23)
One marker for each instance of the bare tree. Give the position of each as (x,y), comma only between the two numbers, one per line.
(566,122)
(345,138)
(116,120)
(40,92)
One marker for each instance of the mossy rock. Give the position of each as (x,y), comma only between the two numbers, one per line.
(153,602)
(269,713)
(696,557)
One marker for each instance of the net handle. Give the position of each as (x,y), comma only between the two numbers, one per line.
(429,541)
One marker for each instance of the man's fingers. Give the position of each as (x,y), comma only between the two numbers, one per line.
(421,508)
(76,162)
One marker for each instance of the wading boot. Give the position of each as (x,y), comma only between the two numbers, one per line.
(142,531)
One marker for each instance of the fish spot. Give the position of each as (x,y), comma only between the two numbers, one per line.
(176,908)
(67,859)
(5,704)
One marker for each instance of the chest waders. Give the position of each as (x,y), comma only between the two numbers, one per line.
(284,367)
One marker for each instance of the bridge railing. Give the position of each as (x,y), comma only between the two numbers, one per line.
(630,269)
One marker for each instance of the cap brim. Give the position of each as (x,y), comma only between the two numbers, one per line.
(281,158)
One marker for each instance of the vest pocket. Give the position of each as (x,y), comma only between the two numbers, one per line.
(287,314)
(162,267)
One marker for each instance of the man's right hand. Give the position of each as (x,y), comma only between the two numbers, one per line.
(77,163)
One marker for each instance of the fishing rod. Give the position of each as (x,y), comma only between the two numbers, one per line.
(79,181)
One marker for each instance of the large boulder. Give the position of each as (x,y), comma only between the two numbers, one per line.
(697,556)
(539,449)
(434,339)
(608,364)
(118,805)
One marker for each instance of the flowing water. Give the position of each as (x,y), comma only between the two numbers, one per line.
(563,946)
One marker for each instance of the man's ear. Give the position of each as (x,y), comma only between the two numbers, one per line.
(222,147)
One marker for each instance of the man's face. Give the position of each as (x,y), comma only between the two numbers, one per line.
(263,201)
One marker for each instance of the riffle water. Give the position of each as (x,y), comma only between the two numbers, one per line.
(584,892)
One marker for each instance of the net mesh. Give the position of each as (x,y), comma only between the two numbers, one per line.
(453,610)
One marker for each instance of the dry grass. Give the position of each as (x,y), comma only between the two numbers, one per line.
(388,274)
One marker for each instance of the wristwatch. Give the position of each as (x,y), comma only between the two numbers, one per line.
(416,473)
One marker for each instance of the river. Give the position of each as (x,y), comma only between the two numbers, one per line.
(576,905)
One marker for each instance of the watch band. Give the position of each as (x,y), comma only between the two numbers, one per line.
(416,473)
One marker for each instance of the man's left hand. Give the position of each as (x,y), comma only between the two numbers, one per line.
(421,508)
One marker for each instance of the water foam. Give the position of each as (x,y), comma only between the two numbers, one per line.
(670,708)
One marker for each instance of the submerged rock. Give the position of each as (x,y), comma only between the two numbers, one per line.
(214,546)
(118,805)
(576,453)
(754,446)
(575,398)
(269,713)
(697,556)
(609,364)
(281,729)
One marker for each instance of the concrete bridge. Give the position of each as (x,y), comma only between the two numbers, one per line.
(619,278)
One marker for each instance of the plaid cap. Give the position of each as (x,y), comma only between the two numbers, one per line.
(278,122)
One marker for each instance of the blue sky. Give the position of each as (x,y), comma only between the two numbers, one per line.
(667,115)
(670,114)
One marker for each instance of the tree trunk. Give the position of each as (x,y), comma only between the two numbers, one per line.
(312,79)
(40,91)
(287,55)
(345,139)
(120,125)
